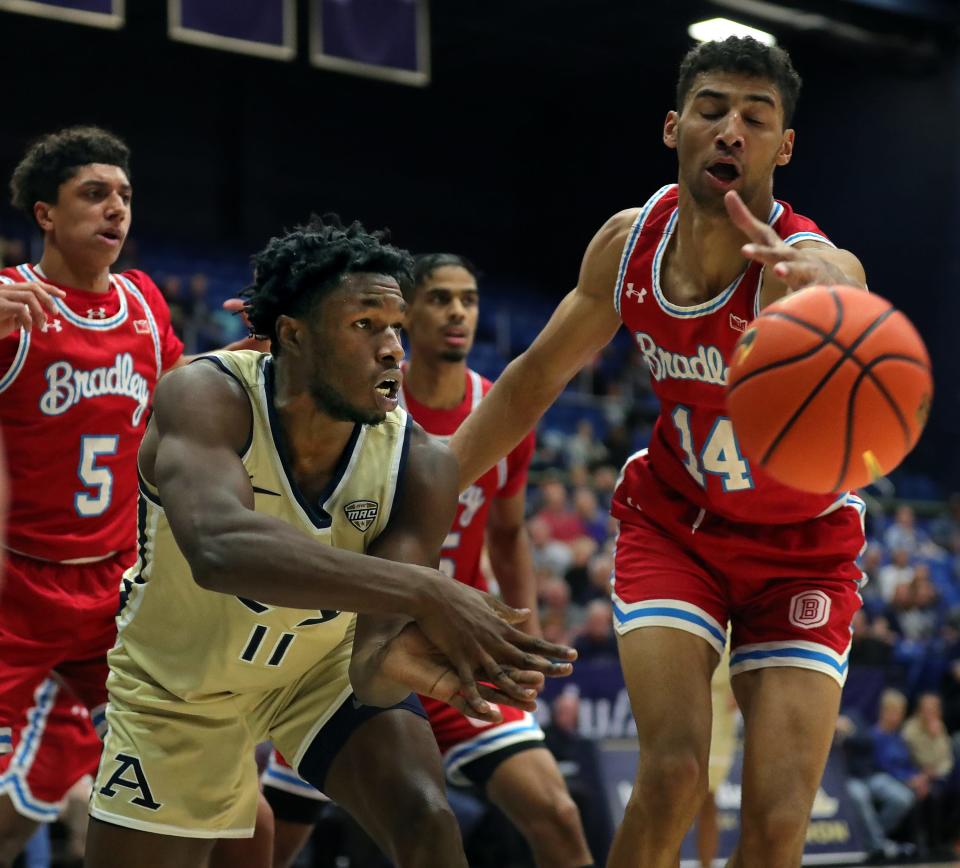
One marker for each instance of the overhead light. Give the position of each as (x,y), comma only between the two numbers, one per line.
(718,29)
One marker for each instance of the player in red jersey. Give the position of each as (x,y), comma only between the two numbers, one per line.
(705,538)
(507,760)
(81,350)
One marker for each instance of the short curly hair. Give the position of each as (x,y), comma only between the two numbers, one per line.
(745,55)
(295,271)
(56,157)
(425,264)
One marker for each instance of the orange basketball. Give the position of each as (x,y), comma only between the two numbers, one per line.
(829,389)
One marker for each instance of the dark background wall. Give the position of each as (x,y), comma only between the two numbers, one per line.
(541,120)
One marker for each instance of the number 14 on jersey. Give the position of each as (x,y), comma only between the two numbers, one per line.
(720,454)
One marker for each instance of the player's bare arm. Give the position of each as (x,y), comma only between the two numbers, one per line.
(24,305)
(391,655)
(193,459)
(583,323)
(509,547)
(791,268)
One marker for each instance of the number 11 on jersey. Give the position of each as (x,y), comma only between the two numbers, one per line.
(720,454)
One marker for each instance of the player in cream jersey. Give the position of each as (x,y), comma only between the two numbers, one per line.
(280,493)
(255,646)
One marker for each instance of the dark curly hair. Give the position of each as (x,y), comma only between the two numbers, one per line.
(295,271)
(56,157)
(745,55)
(426,263)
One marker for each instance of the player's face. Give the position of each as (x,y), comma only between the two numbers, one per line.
(91,217)
(355,349)
(442,319)
(729,136)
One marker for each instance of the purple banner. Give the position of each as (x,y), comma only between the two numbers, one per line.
(380,38)
(98,13)
(266,28)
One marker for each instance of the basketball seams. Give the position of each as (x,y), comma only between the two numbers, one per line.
(847,354)
(882,389)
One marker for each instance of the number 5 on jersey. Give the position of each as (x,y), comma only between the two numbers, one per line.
(720,454)
(100,479)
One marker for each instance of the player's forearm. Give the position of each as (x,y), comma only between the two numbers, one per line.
(512,563)
(504,417)
(262,558)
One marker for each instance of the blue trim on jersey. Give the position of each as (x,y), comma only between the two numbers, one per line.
(320,518)
(18,361)
(456,754)
(151,322)
(775,213)
(807,236)
(632,241)
(669,612)
(669,307)
(802,653)
(76,319)
(36,720)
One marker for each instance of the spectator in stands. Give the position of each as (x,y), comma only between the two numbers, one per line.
(593,519)
(12,252)
(597,641)
(904,533)
(916,606)
(871,563)
(580,763)
(932,752)
(564,523)
(895,574)
(583,449)
(951,677)
(548,554)
(557,616)
(881,799)
(172,288)
(867,646)
(619,445)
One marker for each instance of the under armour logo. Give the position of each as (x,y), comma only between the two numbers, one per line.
(738,324)
(96,313)
(51,324)
(631,292)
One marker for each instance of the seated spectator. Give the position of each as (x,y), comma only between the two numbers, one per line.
(583,449)
(904,534)
(882,801)
(932,752)
(916,606)
(895,574)
(548,554)
(604,482)
(597,641)
(564,523)
(593,518)
(870,647)
(945,528)
(950,689)
(557,616)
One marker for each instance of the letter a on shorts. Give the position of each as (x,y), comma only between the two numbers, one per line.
(145,798)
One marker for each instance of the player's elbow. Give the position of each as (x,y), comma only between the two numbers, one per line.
(210,565)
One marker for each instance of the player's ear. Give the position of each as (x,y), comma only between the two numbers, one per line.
(785,154)
(41,213)
(670,129)
(290,332)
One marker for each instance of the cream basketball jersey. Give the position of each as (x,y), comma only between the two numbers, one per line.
(199,644)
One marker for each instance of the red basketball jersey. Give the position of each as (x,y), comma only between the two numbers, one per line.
(694,447)
(461,549)
(74,400)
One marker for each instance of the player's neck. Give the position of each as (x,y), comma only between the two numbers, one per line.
(706,249)
(56,269)
(440,385)
(314,441)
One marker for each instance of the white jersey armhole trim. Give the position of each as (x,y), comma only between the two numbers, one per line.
(631,241)
(128,284)
(22,349)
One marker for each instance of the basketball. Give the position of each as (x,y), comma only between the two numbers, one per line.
(829,389)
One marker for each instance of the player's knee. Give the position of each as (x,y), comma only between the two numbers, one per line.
(670,780)
(775,832)
(423,829)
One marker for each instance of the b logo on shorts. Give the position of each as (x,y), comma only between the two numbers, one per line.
(144,798)
(809,609)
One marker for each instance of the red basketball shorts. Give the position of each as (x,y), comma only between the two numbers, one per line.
(56,626)
(789,591)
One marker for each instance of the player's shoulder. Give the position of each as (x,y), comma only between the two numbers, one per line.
(795,228)
(623,226)
(429,457)
(206,382)
(10,275)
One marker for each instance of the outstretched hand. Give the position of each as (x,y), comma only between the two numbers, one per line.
(797,268)
(474,632)
(235,305)
(410,659)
